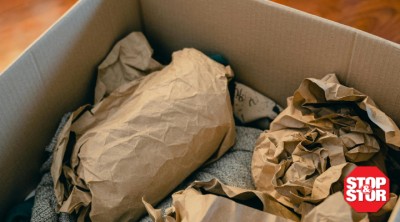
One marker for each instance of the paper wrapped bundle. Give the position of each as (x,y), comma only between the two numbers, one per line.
(316,141)
(143,139)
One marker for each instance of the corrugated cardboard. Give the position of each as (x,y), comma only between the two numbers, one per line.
(54,75)
(271,48)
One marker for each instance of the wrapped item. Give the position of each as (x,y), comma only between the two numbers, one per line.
(44,207)
(251,107)
(214,201)
(130,59)
(232,169)
(316,141)
(143,139)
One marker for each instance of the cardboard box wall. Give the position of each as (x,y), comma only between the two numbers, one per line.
(270,47)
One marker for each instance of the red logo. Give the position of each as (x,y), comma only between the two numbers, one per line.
(366,189)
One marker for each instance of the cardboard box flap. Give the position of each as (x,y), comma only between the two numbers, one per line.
(272,47)
(53,76)
(374,69)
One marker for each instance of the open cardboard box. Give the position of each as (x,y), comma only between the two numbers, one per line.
(270,47)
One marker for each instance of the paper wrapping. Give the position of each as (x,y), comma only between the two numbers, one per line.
(384,213)
(296,167)
(335,208)
(214,201)
(130,59)
(143,139)
(330,106)
(316,141)
(250,105)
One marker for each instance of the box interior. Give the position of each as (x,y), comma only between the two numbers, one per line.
(271,48)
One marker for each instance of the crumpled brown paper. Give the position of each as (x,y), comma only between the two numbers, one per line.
(297,166)
(313,144)
(384,213)
(143,139)
(214,201)
(335,208)
(342,110)
(130,59)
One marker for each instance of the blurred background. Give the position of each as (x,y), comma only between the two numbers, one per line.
(23,21)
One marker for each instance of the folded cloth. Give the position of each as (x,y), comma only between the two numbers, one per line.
(44,207)
(21,212)
(233,169)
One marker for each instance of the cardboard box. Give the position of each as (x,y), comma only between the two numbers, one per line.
(270,47)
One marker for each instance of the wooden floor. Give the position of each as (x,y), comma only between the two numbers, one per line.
(22,21)
(379,17)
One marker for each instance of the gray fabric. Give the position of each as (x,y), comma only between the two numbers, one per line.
(45,200)
(233,169)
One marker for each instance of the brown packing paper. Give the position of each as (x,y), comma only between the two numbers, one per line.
(328,105)
(335,208)
(144,139)
(313,144)
(214,201)
(61,155)
(384,213)
(294,167)
(357,135)
(129,60)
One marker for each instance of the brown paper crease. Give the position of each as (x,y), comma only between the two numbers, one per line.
(317,140)
(143,139)
(214,201)
(130,59)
